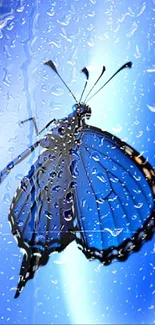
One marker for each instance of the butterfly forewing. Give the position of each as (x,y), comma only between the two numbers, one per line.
(114,195)
(86,207)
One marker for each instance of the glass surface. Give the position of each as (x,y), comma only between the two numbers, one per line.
(74,34)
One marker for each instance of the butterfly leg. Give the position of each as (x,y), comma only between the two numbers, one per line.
(16,161)
(33,119)
(32,260)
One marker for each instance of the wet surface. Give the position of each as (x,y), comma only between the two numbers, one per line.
(75,34)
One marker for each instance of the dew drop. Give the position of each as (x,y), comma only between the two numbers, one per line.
(56,188)
(95,156)
(68,215)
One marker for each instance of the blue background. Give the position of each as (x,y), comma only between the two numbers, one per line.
(77,33)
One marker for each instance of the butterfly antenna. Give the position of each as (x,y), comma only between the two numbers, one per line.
(103,70)
(53,67)
(126,65)
(86,72)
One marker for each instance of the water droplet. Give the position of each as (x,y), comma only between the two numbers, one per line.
(83,203)
(60,174)
(69,197)
(115,232)
(21,224)
(94,170)
(52,175)
(73,184)
(56,188)
(139,205)
(95,156)
(48,215)
(101,177)
(68,215)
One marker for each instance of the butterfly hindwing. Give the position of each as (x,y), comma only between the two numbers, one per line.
(42,212)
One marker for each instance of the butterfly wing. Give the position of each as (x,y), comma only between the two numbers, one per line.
(115,195)
(42,212)
(101,192)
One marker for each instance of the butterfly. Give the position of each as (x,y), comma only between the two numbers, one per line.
(86,186)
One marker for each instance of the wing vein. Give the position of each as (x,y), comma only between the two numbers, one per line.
(33,188)
(35,201)
(124,186)
(119,166)
(96,200)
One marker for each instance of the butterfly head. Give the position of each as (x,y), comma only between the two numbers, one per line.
(82,110)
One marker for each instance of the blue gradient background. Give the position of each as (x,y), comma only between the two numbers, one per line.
(77,33)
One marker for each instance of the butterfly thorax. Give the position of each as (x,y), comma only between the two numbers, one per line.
(66,130)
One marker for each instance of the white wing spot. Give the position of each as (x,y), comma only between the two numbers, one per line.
(15,195)
(153,189)
(128,150)
(138,160)
(147,173)
(27,275)
(11,207)
(12,220)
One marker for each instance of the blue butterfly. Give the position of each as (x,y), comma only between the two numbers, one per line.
(88,186)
